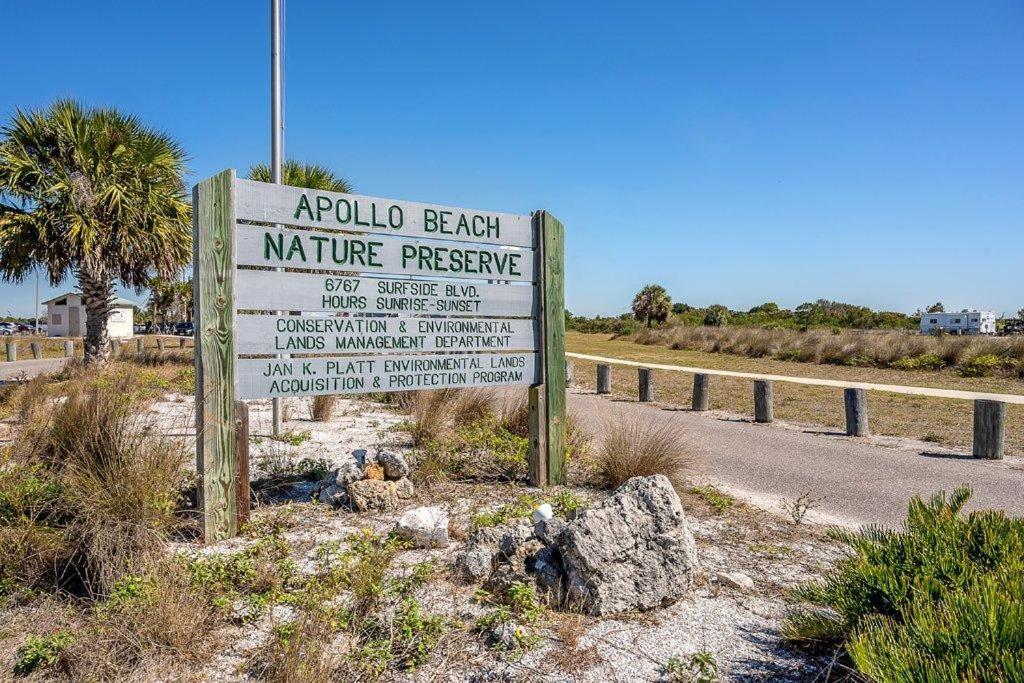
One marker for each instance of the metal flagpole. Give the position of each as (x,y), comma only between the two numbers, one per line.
(276,135)
(37,299)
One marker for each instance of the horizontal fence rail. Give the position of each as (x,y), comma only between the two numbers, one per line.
(839,384)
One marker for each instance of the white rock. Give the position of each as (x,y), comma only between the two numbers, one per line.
(542,512)
(427,527)
(736,580)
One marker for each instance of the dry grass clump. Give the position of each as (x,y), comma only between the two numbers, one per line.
(639,448)
(322,407)
(897,349)
(92,469)
(154,626)
(432,413)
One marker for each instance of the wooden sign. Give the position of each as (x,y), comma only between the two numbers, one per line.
(370,295)
(282,204)
(309,335)
(277,291)
(306,249)
(271,377)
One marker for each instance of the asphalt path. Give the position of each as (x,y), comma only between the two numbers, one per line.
(29,368)
(855,480)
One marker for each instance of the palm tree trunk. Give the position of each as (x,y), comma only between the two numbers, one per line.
(97,295)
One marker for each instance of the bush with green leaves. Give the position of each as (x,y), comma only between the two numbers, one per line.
(41,651)
(941,599)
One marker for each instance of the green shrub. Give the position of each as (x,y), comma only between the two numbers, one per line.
(939,600)
(41,651)
(981,366)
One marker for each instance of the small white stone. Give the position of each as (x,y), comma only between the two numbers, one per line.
(542,512)
(427,527)
(735,580)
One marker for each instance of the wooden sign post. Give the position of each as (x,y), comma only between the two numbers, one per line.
(382,295)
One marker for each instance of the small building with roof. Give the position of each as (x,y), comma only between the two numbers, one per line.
(964,322)
(65,317)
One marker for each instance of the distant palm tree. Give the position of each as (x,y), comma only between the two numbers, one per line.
(95,193)
(652,304)
(298,174)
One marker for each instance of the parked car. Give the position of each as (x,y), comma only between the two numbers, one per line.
(7,329)
(184,329)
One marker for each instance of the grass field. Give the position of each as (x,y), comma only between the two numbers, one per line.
(942,421)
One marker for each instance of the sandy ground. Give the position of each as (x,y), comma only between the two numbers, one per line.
(739,629)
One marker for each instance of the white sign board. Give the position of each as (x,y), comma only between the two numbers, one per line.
(262,290)
(294,334)
(274,377)
(282,204)
(287,248)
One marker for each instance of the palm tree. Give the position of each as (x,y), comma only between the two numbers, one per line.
(652,304)
(298,174)
(95,193)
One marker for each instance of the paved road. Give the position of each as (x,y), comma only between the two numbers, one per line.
(859,481)
(30,368)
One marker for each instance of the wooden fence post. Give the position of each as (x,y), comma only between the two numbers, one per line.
(213,216)
(115,348)
(242,461)
(763,401)
(604,379)
(140,344)
(568,373)
(547,399)
(856,403)
(37,350)
(701,386)
(645,382)
(160,343)
(181,342)
(989,429)
(69,348)
(12,351)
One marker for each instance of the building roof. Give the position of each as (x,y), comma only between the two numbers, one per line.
(118,302)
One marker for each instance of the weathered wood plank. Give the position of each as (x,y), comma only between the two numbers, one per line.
(69,348)
(242,461)
(604,378)
(11,348)
(270,334)
(275,291)
(273,377)
(37,350)
(645,385)
(213,290)
(552,246)
(989,429)
(269,203)
(763,395)
(855,402)
(701,392)
(538,435)
(306,249)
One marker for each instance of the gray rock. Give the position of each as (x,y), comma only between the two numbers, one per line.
(426,527)
(547,566)
(360,457)
(333,489)
(632,551)
(475,564)
(372,494)
(735,580)
(513,539)
(503,636)
(395,466)
(404,488)
(547,530)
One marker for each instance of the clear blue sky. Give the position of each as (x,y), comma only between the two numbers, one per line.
(735,152)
